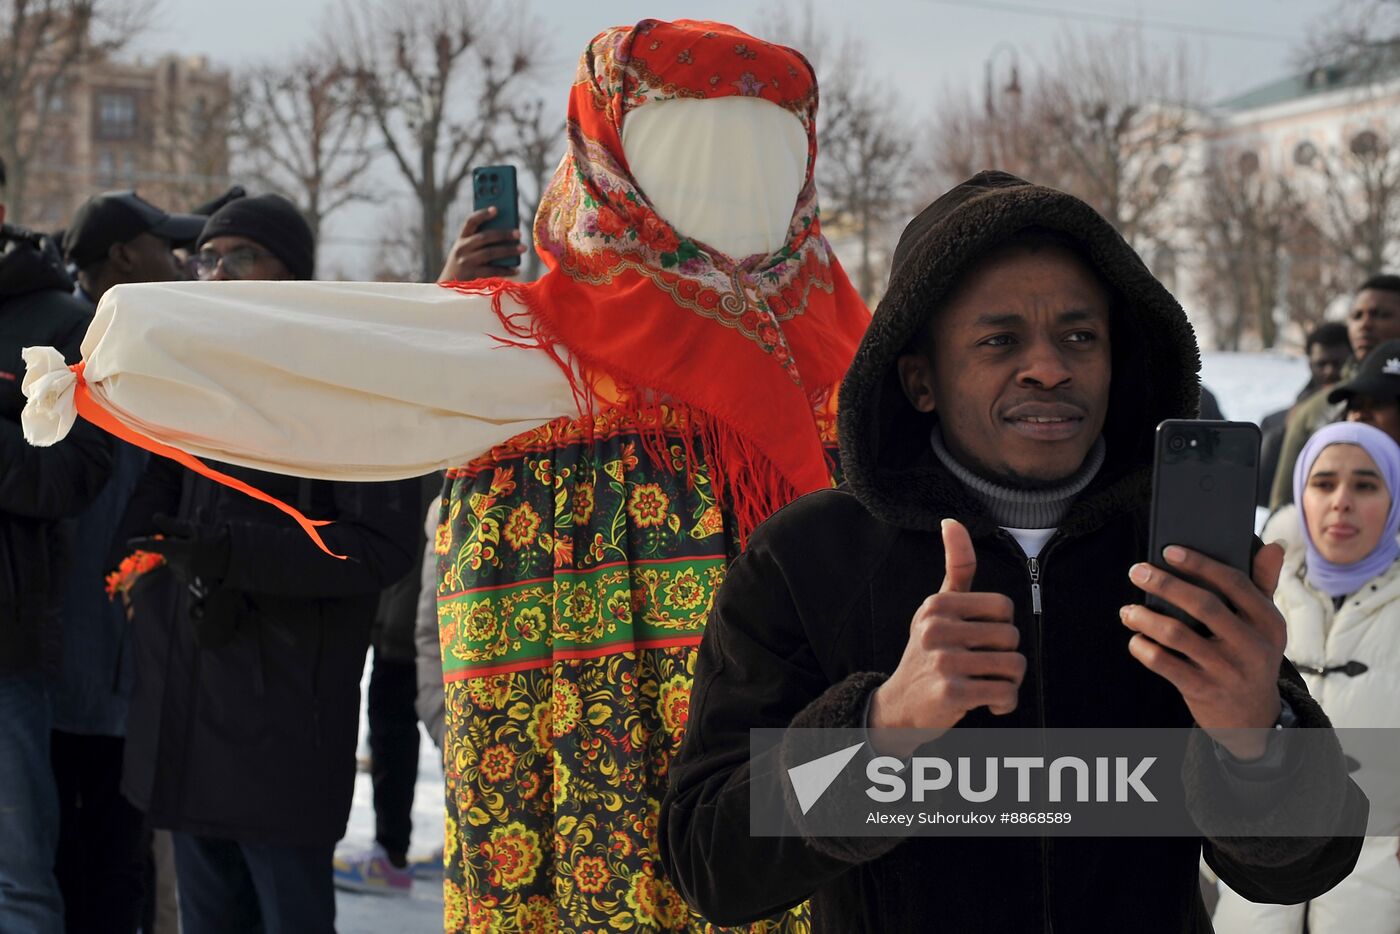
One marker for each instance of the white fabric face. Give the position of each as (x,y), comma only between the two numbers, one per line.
(725,172)
(329,380)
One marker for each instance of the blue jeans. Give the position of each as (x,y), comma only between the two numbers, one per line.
(242,887)
(29,899)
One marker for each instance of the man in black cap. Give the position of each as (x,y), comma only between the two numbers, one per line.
(262,238)
(118,236)
(1373,394)
(114,238)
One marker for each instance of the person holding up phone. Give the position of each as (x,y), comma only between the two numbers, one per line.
(1340,595)
(478,250)
(996,432)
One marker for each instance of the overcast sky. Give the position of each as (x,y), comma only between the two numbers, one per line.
(921,46)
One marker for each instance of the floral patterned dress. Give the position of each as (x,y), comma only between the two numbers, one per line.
(579,561)
(575,576)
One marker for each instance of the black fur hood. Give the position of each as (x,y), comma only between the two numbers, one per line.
(884,440)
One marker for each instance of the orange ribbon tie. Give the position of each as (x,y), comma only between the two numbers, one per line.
(89,409)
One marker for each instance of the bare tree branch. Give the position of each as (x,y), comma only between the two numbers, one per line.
(864,169)
(42,43)
(536,148)
(1362,33)
(1106,118)
(303,128)
(1248,214)
(1359,182)
(414,64)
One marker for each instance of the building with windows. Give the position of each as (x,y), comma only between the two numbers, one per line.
(159,127)
(1293,199)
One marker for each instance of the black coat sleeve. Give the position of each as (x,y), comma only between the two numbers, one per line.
(755,668)
(54,482)
(376,527)
(1314,794)
(157,493)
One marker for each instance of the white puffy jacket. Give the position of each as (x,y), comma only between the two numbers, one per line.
(1366,629)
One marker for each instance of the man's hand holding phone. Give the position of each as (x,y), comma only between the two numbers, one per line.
(474,249)
(961,655)
(1229,678)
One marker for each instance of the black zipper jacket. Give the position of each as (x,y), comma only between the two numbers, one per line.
(252,736)
(815,615)
(38,486)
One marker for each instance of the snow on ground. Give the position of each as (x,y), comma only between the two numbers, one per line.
(1248,387)
(421,912)
(1251,385)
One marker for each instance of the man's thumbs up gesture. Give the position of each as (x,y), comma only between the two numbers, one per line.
(961,655)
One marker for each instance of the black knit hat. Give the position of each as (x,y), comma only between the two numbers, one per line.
(272,222)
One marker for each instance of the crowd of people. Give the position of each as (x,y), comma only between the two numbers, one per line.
(597,527)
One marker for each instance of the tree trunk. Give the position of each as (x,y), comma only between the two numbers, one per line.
(13,198)
(313,220)
(1268,300)
(867,274)
(430,237)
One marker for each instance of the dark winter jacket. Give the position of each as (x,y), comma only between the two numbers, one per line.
(94,684)
(38,486)
(393,633)
(1271,429)
(254,738)
(815,615)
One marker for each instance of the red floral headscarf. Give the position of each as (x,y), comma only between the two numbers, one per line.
(750,349)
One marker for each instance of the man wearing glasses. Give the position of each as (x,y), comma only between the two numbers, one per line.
(263,238)
(249,645)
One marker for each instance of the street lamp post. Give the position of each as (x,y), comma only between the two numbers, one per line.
(1013,85)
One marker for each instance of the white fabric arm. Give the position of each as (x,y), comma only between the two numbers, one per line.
(329,380)
(48,385)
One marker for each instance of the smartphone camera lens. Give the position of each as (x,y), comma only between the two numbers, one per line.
(1176,443)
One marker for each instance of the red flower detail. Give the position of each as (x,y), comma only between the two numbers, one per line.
(592,874)
(611,223)
(131,568)
(658,235)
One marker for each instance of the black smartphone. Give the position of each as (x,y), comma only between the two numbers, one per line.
(1204,476)
(494,186)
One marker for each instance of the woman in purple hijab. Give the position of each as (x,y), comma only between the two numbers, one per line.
(1346,479)
(1340,595)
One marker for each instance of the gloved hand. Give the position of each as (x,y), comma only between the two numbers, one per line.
(197,554)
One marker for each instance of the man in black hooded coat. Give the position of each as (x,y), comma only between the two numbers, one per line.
(812,627)
(39,487)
